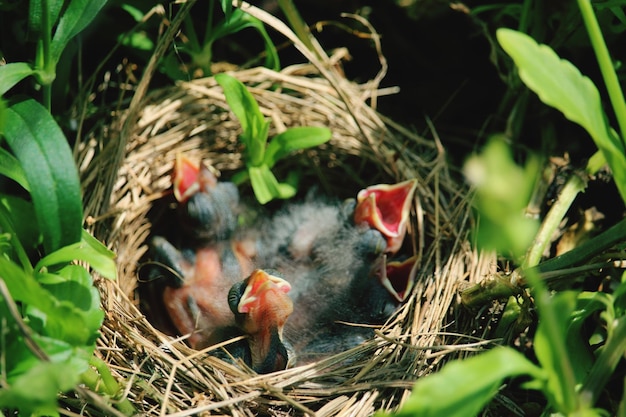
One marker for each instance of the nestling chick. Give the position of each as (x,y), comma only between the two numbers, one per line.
(261,307)
(386,208)
(207,208)
(196,295)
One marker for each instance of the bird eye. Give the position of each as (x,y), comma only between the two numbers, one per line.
(234,295)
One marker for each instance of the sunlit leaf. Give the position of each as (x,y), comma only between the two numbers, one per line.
(245,107)
(503,189)
(463,387)
(35,392)
(13,73)
(264,183)
(295,139)
(77,15)
(44,154)
(24,288)
(10,167)
(96,256)
(559,84)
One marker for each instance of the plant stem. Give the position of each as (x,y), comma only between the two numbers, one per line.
(582,253)
(46,66)
(606,67)
(604,366)
(553,219)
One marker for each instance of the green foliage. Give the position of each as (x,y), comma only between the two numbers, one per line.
(45,156)
(260,157)
(561,85)
(463,388)
(196,51)
(502,192)
(50,312)
(574,364)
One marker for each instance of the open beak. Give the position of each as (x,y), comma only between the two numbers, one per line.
(398,277)
(256,291)
(386,208)
(189,178)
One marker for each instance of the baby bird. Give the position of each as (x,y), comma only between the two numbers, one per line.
(207,209)
(386,208)
(196,294)
(261,307)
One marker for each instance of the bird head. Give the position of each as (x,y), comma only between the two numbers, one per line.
(261,302)
(208,209)
(398,277)
(261,307)
(189,178)
(386,208)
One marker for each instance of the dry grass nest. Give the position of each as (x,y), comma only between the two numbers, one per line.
(127,168)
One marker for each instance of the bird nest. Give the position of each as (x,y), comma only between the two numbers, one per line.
(127,169)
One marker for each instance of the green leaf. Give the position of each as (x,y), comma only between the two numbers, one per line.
(227,8)
(23,220)
(89,250)
(253,124)
(3,114)
(13,73)
(239,20)
(559,84)
(295,139)
(264,183)
(133,11)
(503,189)
(40,146)
(463,387)
(11,168)
(35,392)
(24,288)
(77,16)
(77,289)
(555,314)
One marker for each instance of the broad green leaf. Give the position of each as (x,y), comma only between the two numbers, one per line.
(264,183)
(13,73)
(36,12)
(253,124)
(609,357)
(76,17)
(285,190)
(503,189)
(24,288)
(3,114)
(463,387)
(97,245)
(559,84)
(35,392)
(88,250)
(66,323)
(10,167)
(43,151)
(78,290)
(295,139)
